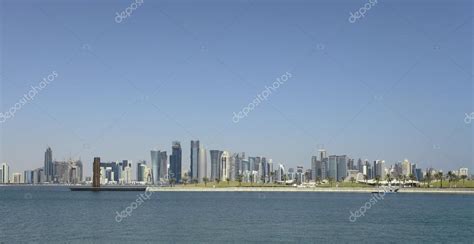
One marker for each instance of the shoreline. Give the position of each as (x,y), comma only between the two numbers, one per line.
(317,189)
(465,191)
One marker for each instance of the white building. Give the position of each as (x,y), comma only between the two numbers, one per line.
(463,171)
(17,179)
(406,168)
(5,173)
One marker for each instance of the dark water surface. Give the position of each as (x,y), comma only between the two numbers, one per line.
(57,215)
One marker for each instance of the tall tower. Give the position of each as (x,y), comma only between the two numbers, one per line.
(163,165)
(96,172)
(202,164)
(5,173)
(175,161)
(48,164)
(215,164)
(194,159)
(224,166)
(155,166)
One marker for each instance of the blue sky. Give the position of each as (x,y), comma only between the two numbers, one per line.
(395,84)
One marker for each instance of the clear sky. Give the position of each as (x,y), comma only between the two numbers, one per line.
(395,84)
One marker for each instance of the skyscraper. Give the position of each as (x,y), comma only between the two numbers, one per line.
(341,167)
(202,164)
(322,154)
(163,171)
(155,158)
(141,168)
(215,164)
(194,159)
(360,167)
(406,167)
(175,161)
(224,167)
(48,165)
(314,172)
(5,173)
(332,167)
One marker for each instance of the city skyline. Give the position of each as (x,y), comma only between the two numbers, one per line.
(221,165)
(383,97)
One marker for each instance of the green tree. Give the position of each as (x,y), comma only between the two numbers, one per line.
(331,180)
(377,180)
(185,178)
(353,180)
(463,177)
(228,180)
(428,178)
(439,176)
(217,180)
(205,179)
(389,178)
(172,181)
(195,181)
(239,179)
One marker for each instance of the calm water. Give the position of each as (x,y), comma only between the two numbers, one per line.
(54,214)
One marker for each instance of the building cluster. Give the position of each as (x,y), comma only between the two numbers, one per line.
(221,166)
(343,168)
(54,172)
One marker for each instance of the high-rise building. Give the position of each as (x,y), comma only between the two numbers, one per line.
(225,167)
(360,166)
(341,167)
(350,164)
(215,164)
(406,167)
(379,169)
(322,154)
(155,166)
(280,172)
(202,164)
(96,172)
(314,160)
(48,165)
(332,167)
(163,169)
(5,173)
(141,168)
(28,177)
(175,161)
(195,150)
(17,178)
